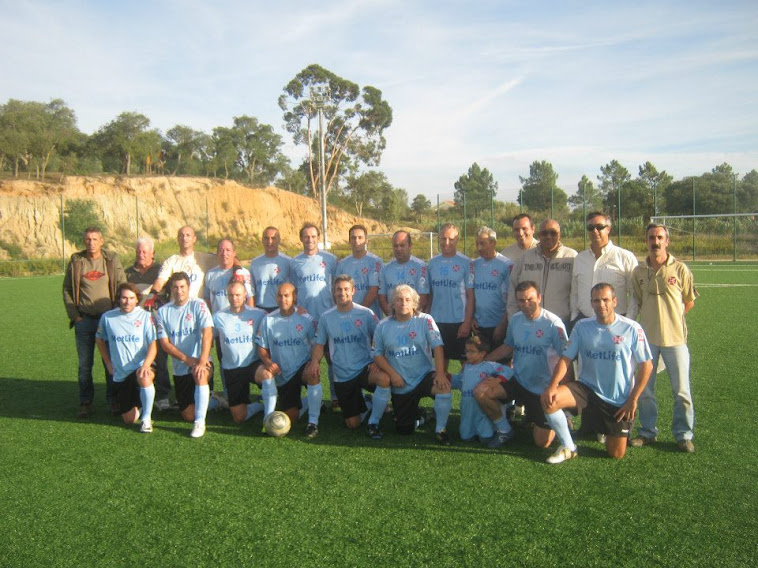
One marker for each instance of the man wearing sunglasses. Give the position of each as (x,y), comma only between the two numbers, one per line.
(665,292)
(602,262)
(550,264)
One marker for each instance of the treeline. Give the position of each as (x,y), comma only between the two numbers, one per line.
(37,138)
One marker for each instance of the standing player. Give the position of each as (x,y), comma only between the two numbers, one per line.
(348,329)
(491,277)
(285,341)
(185,262)
(451,288)
(235,327)
(185,332)
(364,267)
(523,232)
(608,346)
(126,341)
(218,278)
(407,346)
(269,270)
(474,422)
(665,292)
(89,290)
(403,269)
(536,338)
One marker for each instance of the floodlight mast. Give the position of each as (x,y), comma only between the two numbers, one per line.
(319,95)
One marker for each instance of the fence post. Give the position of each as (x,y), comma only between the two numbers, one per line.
(63,237)
(734,220)
(693,219)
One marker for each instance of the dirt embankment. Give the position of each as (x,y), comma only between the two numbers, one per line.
(30,211)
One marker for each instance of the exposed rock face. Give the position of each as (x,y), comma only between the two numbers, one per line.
(30,211)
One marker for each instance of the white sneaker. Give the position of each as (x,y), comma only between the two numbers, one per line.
(198,429)
(147,427)
(562,454)
(601,438)
(223,404)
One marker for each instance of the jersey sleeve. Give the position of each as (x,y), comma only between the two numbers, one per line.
(322,337)
(641,348)
(433,336)
(377,345)
(204,315)
(160,324)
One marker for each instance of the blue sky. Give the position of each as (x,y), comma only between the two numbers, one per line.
(501,83)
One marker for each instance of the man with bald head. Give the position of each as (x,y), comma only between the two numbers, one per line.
(185,262)
(550,265)
(269,270)
(403,269)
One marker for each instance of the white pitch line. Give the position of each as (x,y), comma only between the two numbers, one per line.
(711,285)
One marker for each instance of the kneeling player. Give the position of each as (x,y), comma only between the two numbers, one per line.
(405,344)
(285,340)
(185,332)
(474,422)
(608,346)
(536,338)
(236,326)
(348,328)
(126,340)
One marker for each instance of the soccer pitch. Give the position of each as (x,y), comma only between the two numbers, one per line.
(95,493)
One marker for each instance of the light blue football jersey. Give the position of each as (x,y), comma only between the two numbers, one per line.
(449,278)
(348,336)
(413,273)
(491,280)
(289,340)
(236,334)
(216,281)
(474,422)
(267,274)
(128,337)
(408,347)
(183,326)
(607,355)
(312,275)
(365,272)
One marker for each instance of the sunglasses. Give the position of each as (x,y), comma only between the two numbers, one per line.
(597,227)
(549,233)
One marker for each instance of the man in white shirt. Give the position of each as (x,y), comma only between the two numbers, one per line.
(602,262)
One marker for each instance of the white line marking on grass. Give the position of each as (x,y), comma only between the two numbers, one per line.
(711,285)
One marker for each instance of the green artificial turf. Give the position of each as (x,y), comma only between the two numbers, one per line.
(96,493)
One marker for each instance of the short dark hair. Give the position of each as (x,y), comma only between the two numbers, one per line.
(522,216)
(176,276)
(309,226)
(92,229)
(605,216)
(357,228)
(602,286)
(525,285)
(343,278)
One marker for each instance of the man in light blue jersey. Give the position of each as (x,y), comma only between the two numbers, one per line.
(364,267)
(269,270)
(536,339)
(185,332)
(312,272)
(127,343)
(451,289)
(608,347)
(235,327)
(491,276)
(285,341)
(348,329)
(408,347)
(403,269)
(218,278)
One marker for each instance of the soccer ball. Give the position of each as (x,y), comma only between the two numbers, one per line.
(277,424)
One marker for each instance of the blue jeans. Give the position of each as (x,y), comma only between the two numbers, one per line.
(84,332)
(677,360)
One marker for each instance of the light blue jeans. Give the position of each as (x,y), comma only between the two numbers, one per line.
(677,360)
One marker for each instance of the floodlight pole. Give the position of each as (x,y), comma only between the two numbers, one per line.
(734,198)
(319,94)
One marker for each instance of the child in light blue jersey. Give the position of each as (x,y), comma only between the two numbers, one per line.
(474,422)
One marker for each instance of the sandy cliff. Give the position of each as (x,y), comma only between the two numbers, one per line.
(30,211)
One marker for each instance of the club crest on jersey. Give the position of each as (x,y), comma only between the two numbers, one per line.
(364,270)
(137,323)
(540,333)
(322,264)
(188,317)
(412,272)
(495,273)
(412,335)
(618,339)
(456,268)
(671,280)
(358,323)
(298,328)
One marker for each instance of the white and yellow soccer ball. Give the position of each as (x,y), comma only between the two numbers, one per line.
(277,424)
